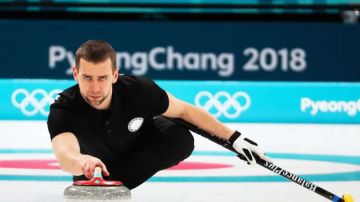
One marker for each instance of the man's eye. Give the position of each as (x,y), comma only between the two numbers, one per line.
(103,78)
(87,78)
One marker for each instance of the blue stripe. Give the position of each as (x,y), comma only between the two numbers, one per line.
(309,157)
(316,157)
(331,177)
(35,178)
(25,151)
(312,157)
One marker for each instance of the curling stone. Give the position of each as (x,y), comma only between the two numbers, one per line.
(97,189)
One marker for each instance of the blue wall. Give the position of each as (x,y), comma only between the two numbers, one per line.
(187,50)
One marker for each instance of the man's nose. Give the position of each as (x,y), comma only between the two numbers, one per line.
(95,86)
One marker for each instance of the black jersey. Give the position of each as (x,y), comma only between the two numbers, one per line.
(107,133)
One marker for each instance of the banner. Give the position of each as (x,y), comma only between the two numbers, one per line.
(187,50)
(279,102)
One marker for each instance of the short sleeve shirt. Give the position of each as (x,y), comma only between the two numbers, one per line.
(107,133)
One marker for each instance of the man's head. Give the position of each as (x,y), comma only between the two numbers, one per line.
(95,70)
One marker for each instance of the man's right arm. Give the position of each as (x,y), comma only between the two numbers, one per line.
(67,151)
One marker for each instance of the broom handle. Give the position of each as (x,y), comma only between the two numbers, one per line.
(268,165)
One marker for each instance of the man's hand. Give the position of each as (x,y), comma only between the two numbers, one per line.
(247,148)
(89,163)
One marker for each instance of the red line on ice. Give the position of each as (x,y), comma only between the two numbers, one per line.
(52,164)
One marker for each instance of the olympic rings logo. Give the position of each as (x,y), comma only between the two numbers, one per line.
(32,103)
(223,103)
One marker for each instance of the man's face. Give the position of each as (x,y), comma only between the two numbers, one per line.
(95,82)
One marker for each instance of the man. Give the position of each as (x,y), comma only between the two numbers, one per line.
(118,123)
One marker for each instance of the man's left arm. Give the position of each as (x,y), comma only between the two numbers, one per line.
(197,116)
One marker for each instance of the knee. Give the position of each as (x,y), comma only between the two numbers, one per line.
(176,140)
(183,141)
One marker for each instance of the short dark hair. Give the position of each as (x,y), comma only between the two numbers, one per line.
(95,51)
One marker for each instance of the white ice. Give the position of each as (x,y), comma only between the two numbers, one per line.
(322,139)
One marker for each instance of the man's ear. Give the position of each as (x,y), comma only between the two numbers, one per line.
(75,73)
(116,75)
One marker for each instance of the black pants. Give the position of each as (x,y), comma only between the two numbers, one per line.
(162,144)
